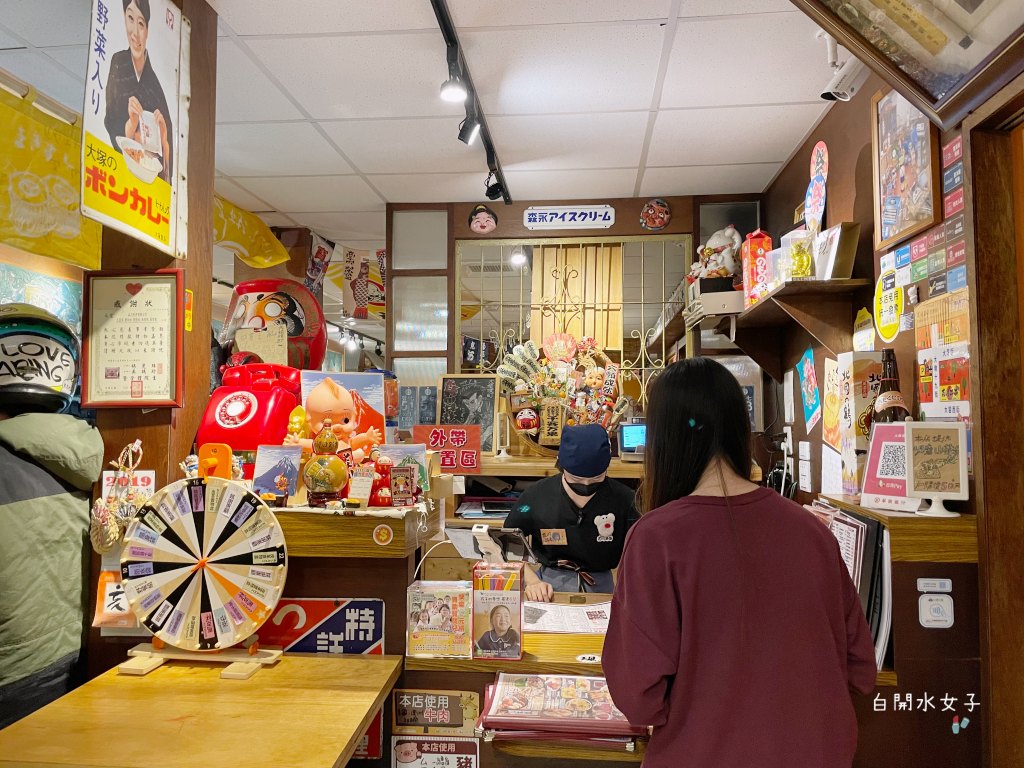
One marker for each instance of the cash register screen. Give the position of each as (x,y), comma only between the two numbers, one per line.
(632,437)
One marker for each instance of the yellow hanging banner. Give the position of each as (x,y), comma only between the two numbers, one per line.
(245,235)
(40,166)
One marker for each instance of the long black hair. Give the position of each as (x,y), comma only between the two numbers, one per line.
(695,412)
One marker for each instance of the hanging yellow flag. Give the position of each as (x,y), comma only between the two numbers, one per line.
(245,235)
(40,204)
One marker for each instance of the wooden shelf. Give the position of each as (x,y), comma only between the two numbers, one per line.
(555,750)
(540,466)
(916,538)
(822,308)
(886,678)
(315,534)
(543,654)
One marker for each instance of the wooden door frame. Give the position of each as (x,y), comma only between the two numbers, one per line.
(996,384)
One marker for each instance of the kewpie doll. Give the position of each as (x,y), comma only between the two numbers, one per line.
(329,400)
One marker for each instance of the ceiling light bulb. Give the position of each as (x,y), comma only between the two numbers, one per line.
(351,344)
(517,258)
(453,90)
(469,129)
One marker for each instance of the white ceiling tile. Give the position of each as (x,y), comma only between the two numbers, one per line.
(690,8)
(575,68)
(708,180)
(314,193)
(542,142)
(406,146)
(54,22)
(240,197)
(570,185)
(273,17)
(736,135)
(361,76)
(431,187)
(341,225)
(45,75)
(8,40)
(473,13)
(275,219)
(286,149)
(72,57)
(789,67)
(244,93)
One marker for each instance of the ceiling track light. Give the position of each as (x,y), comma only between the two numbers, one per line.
(377,349)
(495,190)
(454,89)
(469,129)
(475,122)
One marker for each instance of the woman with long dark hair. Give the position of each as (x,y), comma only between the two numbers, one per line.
(735,629)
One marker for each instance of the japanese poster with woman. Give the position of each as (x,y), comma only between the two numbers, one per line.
(130,118)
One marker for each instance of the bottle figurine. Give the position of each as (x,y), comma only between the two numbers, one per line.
(325,474)
(889,404)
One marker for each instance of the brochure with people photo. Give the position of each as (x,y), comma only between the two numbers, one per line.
(440,619)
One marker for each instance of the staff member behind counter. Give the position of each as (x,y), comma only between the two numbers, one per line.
(576,520)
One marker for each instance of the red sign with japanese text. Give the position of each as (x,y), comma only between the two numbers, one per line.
(458,446)
(953,151)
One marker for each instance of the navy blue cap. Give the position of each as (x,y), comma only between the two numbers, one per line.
(585,450)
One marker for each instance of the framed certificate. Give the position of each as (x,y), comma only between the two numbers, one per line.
(132,339)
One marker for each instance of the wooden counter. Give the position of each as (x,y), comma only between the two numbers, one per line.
(917,538)
(543,654)
(303,711)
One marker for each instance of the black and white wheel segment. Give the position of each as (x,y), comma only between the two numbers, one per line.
(203,564)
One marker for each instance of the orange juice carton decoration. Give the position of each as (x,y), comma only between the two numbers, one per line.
(328,400)
(756,266)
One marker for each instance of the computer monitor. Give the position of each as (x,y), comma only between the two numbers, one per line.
(632,439)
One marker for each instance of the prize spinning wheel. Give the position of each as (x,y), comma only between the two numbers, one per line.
(203,563)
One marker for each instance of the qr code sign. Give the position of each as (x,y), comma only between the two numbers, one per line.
(892,464)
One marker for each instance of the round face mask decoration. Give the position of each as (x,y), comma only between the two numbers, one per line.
(482,220)
(655,215)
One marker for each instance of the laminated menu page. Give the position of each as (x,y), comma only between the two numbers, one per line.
(440,619)
(563,703)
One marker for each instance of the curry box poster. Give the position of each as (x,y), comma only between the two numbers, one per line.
(131,127)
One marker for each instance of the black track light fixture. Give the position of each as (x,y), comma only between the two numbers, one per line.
(469,129)
(377,349)
(493,190)
(454,88)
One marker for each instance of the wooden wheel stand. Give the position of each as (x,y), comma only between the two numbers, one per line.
(242,663)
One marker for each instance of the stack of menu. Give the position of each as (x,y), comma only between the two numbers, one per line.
(566,708)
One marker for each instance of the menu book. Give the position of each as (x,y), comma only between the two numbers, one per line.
(558,703)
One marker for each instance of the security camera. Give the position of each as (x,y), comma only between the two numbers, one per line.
(844,81)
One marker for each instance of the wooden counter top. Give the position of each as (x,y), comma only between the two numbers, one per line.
(303,711)
(543,654)
(917,538)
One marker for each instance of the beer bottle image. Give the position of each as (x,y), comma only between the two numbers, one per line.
(889,404)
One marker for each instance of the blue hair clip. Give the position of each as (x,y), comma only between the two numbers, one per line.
(695,425)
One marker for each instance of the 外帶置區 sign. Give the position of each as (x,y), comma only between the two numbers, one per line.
(130,119)
(569,217)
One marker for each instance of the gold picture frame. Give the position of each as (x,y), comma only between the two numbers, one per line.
(905,170)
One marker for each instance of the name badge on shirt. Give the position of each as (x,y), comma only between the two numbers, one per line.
(553,537)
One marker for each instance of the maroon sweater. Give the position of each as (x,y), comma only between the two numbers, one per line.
(738,643)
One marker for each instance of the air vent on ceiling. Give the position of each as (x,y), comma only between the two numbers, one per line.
(484,269)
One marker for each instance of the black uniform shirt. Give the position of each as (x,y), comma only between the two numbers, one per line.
(593,536)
